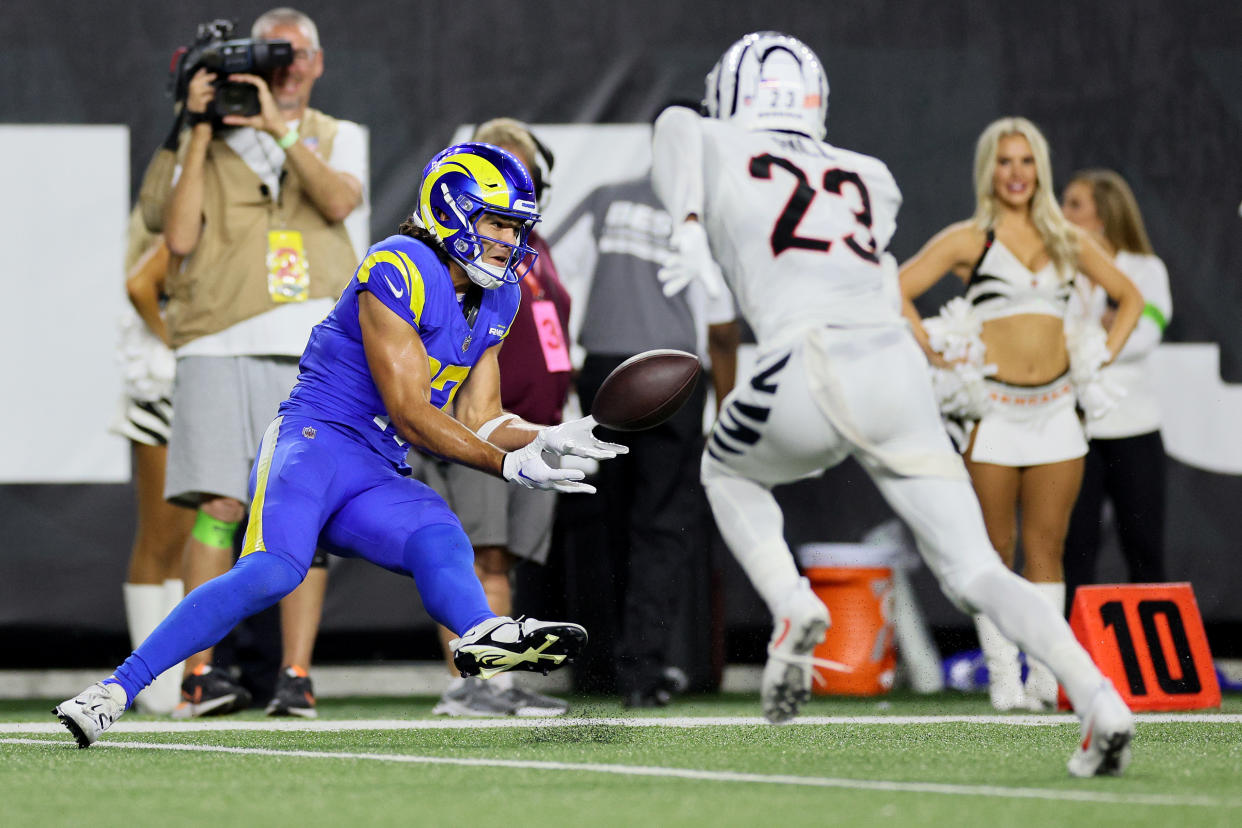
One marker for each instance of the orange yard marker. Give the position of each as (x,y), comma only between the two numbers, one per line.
(1149,640)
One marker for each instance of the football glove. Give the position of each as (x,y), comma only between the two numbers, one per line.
(527,468)
(691,259)
(575,437)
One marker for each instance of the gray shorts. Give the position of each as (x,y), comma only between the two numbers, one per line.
(492,511)
(223,405)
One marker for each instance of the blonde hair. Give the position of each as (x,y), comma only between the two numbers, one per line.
(285,16)
(1117,210)
(1057,233)
(507,132)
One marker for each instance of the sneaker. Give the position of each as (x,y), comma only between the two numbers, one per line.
(786,682)
(473,697)
(649,697)
(673,681)
(91,712)
(294,694)
(501,643)
(1107,730)
(210,692)
(529,703)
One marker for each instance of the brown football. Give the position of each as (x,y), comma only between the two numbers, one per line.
(646,389)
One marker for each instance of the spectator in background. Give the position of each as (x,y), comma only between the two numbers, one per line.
(506,523)
(1125,456)
(153,584)
(633,565)
(259,214)
(1017,257)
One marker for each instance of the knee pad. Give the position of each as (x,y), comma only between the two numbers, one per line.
(441,560)
(262,578)
(213,532)
(437,545)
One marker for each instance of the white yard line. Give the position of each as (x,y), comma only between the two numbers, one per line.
(992,791)
(329,725)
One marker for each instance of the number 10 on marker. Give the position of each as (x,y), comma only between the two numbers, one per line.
(1149,640)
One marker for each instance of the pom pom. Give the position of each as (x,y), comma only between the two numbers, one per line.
(147,364)
(955,334)
(1087,344)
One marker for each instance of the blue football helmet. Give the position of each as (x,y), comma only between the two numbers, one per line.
(769,80)
(461,184)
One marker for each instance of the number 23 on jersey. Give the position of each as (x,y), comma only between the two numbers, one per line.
(834,182)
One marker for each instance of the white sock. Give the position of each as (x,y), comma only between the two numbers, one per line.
(751,523)
(145,607)
(1040,682)
(169,682)
(1023,616)
(174,591)
(1004,673)
(915,647)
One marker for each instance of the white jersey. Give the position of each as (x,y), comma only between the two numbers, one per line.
(799,227)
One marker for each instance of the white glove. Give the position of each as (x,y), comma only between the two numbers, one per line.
(575,437)
(691,259)
(526,467)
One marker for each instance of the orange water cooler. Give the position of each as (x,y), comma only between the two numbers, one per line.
(855,582)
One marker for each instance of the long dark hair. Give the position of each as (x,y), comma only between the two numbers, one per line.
(414,230)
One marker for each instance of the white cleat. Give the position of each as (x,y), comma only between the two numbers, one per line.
(786,682)
(1107,730)
(91,712)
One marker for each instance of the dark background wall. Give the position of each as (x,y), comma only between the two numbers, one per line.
(1152,88)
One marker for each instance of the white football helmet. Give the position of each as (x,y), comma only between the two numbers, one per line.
(769,80)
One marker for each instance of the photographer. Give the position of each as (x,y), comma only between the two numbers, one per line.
(259,211)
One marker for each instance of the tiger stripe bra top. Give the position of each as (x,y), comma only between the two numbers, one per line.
(1001,285)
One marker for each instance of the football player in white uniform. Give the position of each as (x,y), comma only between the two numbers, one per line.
(800,230)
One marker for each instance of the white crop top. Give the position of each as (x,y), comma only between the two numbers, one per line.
(1001,285)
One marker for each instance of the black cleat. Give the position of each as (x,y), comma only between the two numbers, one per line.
(501,643)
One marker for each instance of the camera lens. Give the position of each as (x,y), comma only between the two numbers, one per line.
(237,99)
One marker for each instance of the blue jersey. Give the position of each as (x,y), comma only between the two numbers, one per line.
(335,383)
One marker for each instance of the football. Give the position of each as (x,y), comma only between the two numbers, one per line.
(646,389)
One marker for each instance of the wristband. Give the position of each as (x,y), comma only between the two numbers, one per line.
(290,138)
(193,119)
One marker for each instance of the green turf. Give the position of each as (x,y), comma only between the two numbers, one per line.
(56,784)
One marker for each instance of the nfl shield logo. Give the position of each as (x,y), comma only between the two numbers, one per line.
(465,345)
(308,433)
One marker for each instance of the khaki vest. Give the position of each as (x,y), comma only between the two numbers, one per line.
(224,281)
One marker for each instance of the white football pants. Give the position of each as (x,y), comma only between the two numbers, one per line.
(865,392)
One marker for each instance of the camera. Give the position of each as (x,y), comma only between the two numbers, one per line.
(216,50)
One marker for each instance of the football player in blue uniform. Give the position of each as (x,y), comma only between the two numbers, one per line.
(414,337)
